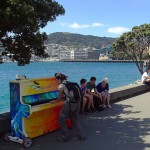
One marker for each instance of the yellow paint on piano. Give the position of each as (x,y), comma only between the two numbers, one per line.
(42,121)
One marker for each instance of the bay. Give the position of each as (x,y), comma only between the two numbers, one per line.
(119,74)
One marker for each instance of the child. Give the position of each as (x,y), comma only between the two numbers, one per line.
(87,98)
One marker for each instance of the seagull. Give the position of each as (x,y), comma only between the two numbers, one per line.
(20,77)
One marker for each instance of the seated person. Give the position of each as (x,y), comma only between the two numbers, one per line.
(87,98)
(91,89)
(146,76)
(103,89)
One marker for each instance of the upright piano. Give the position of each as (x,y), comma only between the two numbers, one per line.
(32,110)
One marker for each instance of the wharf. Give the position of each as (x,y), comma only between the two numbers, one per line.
(96,60)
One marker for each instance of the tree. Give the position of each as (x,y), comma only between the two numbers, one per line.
(135,44)
(20,22)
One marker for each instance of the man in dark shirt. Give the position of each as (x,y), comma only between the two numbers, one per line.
(103,89)
(91,89)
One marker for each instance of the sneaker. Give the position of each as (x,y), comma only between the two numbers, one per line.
(108,106)
(104,106)
(63,139)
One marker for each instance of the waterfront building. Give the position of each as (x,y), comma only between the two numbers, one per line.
(79,54)
(70,53)
(73,54)
(94,54)
(64,54)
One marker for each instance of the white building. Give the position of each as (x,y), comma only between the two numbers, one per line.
(79,54)
(73,54)
(64,54)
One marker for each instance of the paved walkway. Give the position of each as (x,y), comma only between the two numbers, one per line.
(126,126)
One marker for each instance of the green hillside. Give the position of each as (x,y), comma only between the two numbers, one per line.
(78,40)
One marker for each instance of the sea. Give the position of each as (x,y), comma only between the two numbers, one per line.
(118,74)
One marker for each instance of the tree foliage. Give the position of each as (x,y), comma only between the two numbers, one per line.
(20,22)
(135,44)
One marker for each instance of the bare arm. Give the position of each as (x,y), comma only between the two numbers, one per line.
(147,77)
(95,90)
(95,93)
(60,95)
(89,92)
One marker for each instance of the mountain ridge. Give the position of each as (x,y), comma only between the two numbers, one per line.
(79,40)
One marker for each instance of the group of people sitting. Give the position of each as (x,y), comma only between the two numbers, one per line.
(146,76)
(94,97)
(90,96)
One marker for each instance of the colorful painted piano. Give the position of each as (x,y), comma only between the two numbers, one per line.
(31,108)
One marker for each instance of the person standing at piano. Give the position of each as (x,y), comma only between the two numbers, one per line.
(68,111)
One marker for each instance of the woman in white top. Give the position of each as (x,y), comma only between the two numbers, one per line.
(146,76)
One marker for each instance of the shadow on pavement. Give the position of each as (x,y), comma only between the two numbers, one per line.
(105,130)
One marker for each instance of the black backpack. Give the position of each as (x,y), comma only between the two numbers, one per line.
(75,93)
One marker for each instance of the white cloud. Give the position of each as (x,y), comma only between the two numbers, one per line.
(79,26)
(63,24)
(118,30)
(96,24)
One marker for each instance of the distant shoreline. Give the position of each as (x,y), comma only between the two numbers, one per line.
(78,60)
(95,60)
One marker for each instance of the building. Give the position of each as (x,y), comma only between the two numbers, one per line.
(79,54)
(64,54)
(94,54)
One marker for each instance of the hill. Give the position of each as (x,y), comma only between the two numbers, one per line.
(78,40)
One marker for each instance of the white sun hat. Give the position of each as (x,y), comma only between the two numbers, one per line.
(105,80)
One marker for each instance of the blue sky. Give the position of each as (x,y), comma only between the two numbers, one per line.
(103,18)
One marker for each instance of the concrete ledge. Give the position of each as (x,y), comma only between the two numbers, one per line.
(116,94)
(128,91)
(5,122)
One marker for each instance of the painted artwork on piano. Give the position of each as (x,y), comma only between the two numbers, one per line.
(32,113)
(17,111)
(36,86)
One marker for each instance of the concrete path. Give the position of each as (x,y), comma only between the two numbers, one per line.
(126,126)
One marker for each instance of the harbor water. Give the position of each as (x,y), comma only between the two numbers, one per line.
(119,74)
